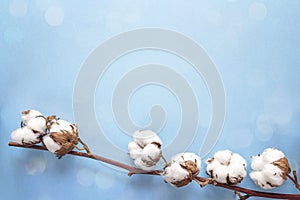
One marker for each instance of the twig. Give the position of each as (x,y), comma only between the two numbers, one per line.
(241,196)
(165,160)
(295,179)
(132,170)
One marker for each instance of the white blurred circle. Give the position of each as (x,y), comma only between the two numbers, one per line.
(54,16)
(257,11)
(264,127)
(35,166)
(85,177)
(18,8)
(104,181)
(264,132)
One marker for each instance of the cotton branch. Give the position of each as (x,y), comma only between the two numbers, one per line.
(200,180)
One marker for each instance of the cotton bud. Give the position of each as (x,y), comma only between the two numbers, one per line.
(182,169)
(270,169)
(145,150)
(62,137)
(25,136)
(227,167)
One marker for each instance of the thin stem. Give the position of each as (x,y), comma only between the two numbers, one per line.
(295,179)
(165,160)
(241,196)
(85,147)
(200,180)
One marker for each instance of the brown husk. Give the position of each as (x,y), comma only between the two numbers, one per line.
(284,165)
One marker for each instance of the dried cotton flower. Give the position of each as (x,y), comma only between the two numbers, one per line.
(62,137)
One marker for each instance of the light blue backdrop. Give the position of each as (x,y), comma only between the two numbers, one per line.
(43,43)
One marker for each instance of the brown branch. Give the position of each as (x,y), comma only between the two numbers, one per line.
(132,170)
(249,192)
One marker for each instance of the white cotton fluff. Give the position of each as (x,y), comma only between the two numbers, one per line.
(50,144)
(271,154)
(60,125)
(25,136)
(257,163)
(266,174)
(182,157)
(33,128)
(135,150)
(29,114)
(182,169)
(226,167)
(145,137)
(223,156)
(236,172)
(142,164)
(145,150)
(147,157)
(151,153)
(37,124)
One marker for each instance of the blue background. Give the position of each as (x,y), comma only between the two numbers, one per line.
(254,45)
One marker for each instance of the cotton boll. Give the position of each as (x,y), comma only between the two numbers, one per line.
(29,114)
(63,133)
(145,137)
(135,150)
(50,144)
(37,124)
(226,167)
(183,168)
(257,163)
(223,156)
(270,169)
(25,136)
(175,175)
(145,149)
